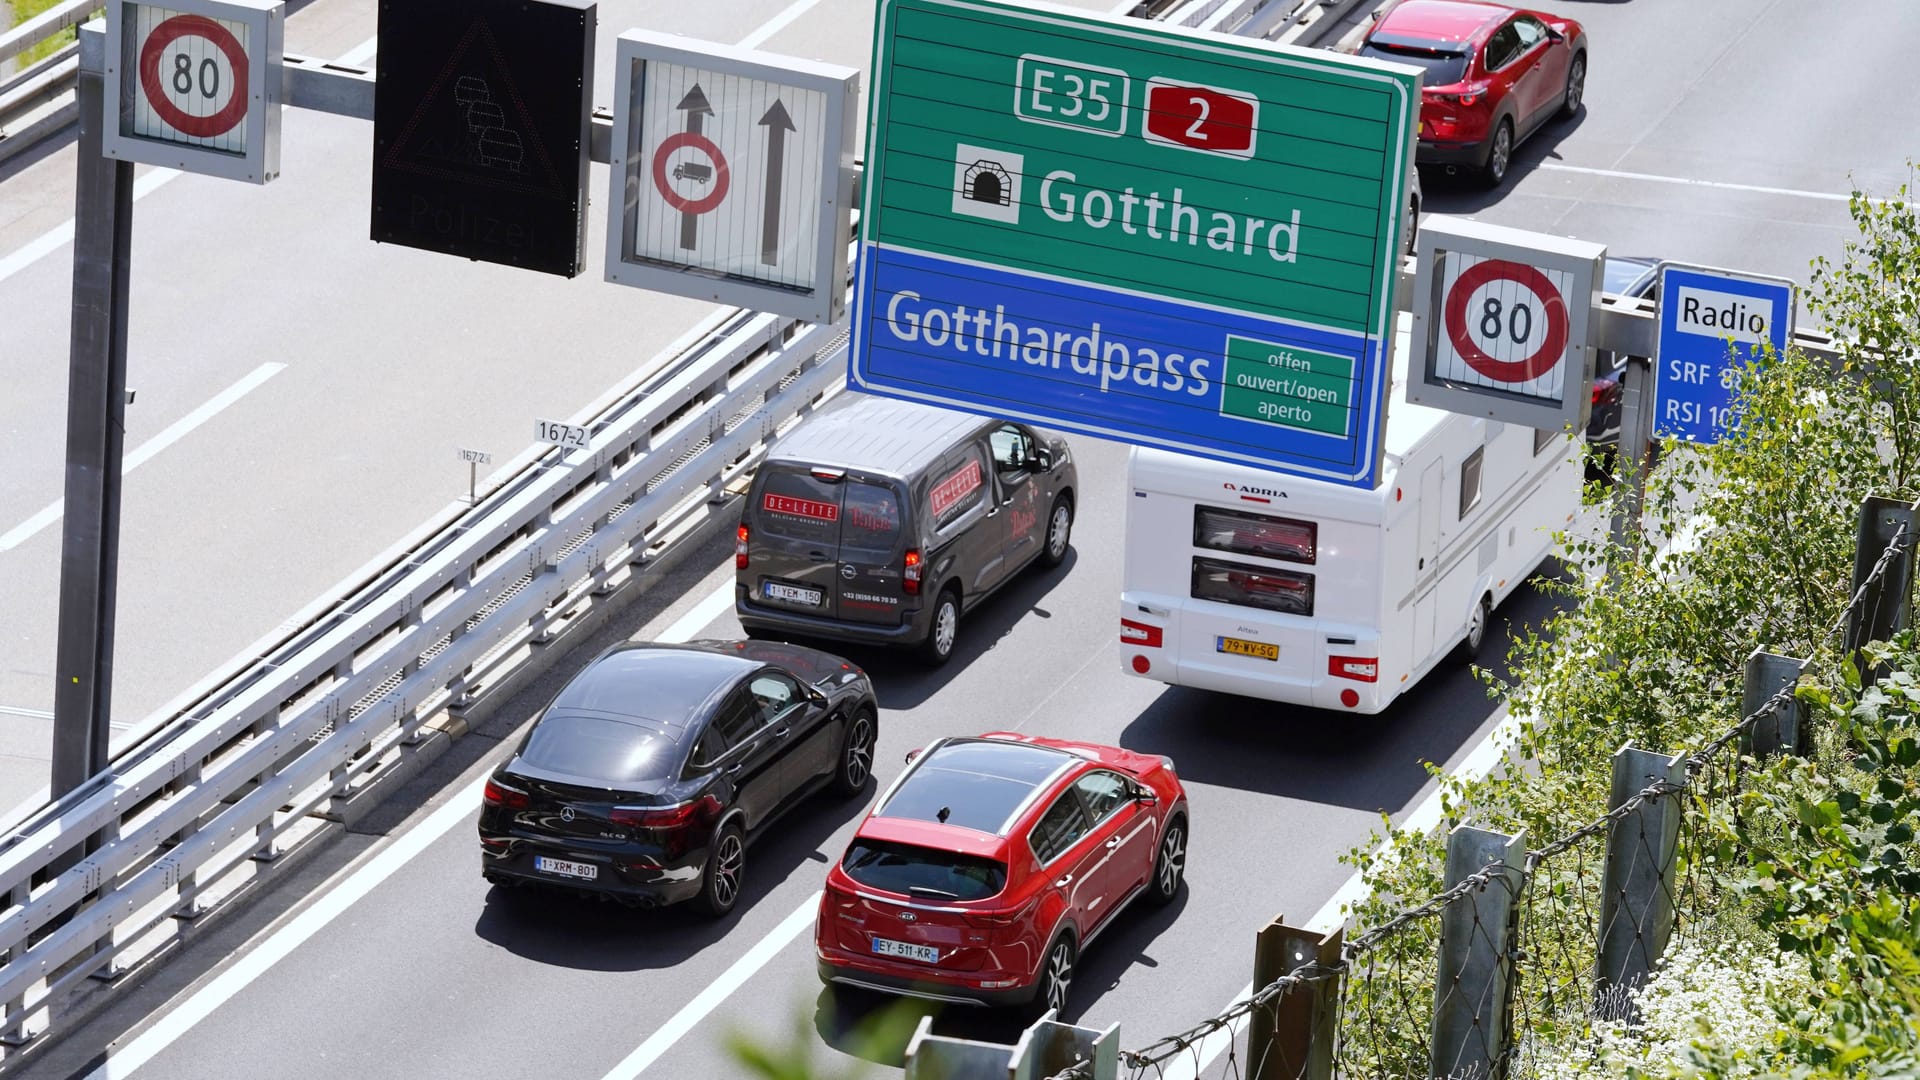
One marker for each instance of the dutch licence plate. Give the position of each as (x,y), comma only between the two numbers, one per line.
(792,593)
(926,954)
(585,871)
(1240,647)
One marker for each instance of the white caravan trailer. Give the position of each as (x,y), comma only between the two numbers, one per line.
(1250,582)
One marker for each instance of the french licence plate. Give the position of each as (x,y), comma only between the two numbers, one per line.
(1240,647)
(585,871)
(792,593)
(926,954)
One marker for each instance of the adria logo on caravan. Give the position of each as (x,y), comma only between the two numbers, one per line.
(1248,491)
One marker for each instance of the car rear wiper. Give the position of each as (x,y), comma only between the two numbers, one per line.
(931,893)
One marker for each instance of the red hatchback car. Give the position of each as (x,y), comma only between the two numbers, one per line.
(992,862)
(1494,75)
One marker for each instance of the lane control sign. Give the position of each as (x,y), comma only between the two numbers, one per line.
(1712,324)
(196,85)
(1137,232)
(1500,323)
(732,175)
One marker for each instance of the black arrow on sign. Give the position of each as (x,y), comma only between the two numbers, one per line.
(695,106)
(777,123)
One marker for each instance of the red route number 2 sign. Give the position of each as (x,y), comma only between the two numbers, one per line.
(1503,324)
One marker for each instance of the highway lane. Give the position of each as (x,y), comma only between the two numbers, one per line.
(435,969)
(418,971)
(1805,101)
(391,358)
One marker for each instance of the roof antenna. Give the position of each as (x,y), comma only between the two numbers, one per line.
(945,811)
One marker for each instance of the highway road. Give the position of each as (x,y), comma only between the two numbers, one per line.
(1695,144)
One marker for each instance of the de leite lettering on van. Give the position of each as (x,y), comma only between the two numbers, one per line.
(806,508)
(963,482)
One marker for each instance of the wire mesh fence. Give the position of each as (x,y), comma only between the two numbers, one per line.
(1544,940)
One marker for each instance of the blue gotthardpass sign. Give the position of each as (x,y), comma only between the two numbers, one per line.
(1711,322)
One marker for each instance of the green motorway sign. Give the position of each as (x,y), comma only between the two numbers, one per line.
(1135,231)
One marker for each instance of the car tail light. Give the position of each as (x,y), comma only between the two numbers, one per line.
(1468,95)
(910,573)
(498,794)
(1138,633)
(740,549)
(1604,392)
(677,816)
(674,827)
(1357,668)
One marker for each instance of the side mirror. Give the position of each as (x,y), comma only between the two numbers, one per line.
(1555,35)
(1145,797)
(1041,461)
(911,754)
(817,696)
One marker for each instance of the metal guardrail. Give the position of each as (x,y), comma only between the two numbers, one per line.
(91,881)
(38,100)
(255,759)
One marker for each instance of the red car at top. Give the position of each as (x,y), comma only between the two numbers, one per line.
(1494,75)
(981,875)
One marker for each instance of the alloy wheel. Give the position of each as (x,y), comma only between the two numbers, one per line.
(946,626)
(859,763)
(1058,530)
(1576,85)
(1502,153)
(726,869)
(1059,976)
(1173,858)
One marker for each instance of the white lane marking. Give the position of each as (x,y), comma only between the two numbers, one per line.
(777,23)
(1478,762)
(61,235)
(1616,174)
(716,992)
(31,714)
(360,54)
(700,614)
(20,533)
(150,1042)
(403,848)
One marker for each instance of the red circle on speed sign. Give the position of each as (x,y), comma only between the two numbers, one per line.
(170,31)
(696,141)
(1553,311)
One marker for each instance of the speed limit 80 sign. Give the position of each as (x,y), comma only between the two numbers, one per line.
(196,85)
(1500,323)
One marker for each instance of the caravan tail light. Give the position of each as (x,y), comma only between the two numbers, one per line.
(910,573)
(1357,668)
(1139,633)
(740,549)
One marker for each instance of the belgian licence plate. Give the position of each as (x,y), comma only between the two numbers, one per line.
(792,593)
(1259,650)
(926,954)
(585,871)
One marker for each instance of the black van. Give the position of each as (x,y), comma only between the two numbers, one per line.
(882,521)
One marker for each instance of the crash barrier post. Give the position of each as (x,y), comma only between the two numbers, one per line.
(1291,1036)
(1637,885)
(1783,730)
(1883,600)
(1475,963)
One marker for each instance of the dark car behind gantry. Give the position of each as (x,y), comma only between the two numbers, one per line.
(654,767)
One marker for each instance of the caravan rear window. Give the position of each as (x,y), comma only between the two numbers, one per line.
(1261,587)
(1255,534)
